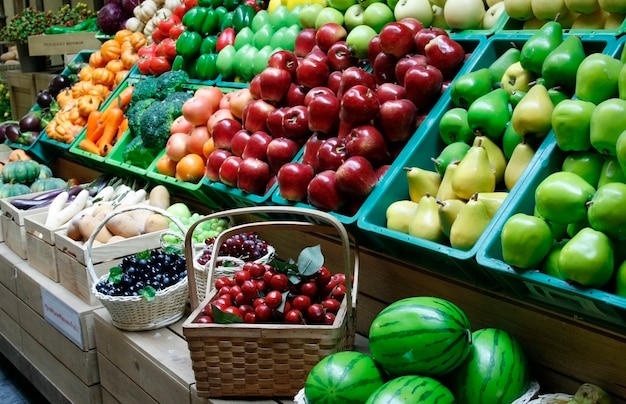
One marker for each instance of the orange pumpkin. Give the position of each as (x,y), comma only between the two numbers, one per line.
(85,73)
(102,75)
(115,65)
(82,88)
(110,50)
(138,40)
(65,97)
(96,59)
(122,35)
(129,58)
(88,103)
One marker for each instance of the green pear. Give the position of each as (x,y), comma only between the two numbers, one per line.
(537,48)
(597,78)
(613,6)
(490,114)
(425,223)
(587,259)
(606,211)
(526,240)
(452,152)
(550,265)
(519,9)
(560,66)
(520,159)
(474,174)
(571,123)
(471,222)
(595,20)
(548,10)
(445,191)
(448,212)
(516,78)
(620,150)
(587,164)
(496,156)
(510,139)
(562,197)
(611,172)
(421,182)
(470,86)
(501,64)
(515,97)
(454,127)
(620,280)
(399,215)
(492,200)
(582,6)
(533,115)
(575,227)
(607,123)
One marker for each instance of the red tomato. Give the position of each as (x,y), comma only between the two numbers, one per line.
(180,10)
(190,3)
(143,64)
(167,48)
(176,30)
(160,65)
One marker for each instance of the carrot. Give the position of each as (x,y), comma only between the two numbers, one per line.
(104,149)
(89,146)
(112,124)
(123,127)
(93,122)
(123,98)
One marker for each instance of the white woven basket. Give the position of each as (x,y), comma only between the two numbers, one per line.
(135,313)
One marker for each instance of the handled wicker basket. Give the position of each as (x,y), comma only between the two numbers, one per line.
(267,360)
(135,313)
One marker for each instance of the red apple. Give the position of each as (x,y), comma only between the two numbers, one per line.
(414,24)
(396,39)
(423,85)
(323,113)
(284,60)
(309,152)
(295,95)
(385,68)
(229,170)
(312,72)
(223,132)
(390,91)
(274,83)
(334,81)
(305,41)
(424,36)
(406,63)
(293,179)
(296,123)
(359,105)
(446,54)
(315,92)
(316,54)
(274,122)
(373,48)
(356,177)
(382,171)
(255,88)
(329,34)
(322,191)
(256,147)
(255,115)
(397,119)
(281,151)
(253,175)
(340,57)
(239,141)
(214,162)
(368,142)
(355,75)
(331,153)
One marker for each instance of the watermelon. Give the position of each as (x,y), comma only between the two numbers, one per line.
(343,378)
(495,371)
(426,336)
(412,390)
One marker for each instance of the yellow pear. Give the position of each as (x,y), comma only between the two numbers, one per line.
(445,188)
(399,215)
(421,182)
(614,21)
(497,159)
(492,200)
(595,20)
(582,6)
(470,223)
(448,211)
(532,117)
(521,157)
(474,173)
(548,10)
(519,9)
(425,223)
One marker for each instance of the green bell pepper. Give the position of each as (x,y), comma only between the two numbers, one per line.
(226,21)
(242,16)
(210,23)
(206,67)
(188,44)
(231,4)
(194,18)
(208,45)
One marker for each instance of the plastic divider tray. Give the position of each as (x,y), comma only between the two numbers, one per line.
(514,26)
(586,304)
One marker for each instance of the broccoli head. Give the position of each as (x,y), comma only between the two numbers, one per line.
(144,89)
(177,99)
(136,154)
(134,112)
(170,82)
(156,123)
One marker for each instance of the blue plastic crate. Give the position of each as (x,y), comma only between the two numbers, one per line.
(586,304)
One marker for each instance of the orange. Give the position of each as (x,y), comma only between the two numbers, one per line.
(190,168)
(208,148)
(166,166)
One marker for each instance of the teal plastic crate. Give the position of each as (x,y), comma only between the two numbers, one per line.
(585,304)
(516,26)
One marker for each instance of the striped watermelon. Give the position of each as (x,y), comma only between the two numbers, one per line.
(412,390)
(426,336)
(343,378)
(495,371)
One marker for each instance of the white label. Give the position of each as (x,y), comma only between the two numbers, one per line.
(62,317)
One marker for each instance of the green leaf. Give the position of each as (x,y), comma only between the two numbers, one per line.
(310,260)
(144,255)
(115,275)
(148,293)
(222,317)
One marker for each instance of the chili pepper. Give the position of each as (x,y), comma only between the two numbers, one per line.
(188,44)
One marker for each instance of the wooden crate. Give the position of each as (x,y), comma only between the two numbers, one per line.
(8,261)
(13,224)
(40,245)
(9,324)
(22,92)
(67,313)
(62,44)
(73,276)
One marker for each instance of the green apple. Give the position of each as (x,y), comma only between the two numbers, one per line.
(620,280)
(366,3)
(358,40)
(328,14)
(492,15)
(353,17)
(464,14)
(308,14)
(341,5)
(439,20)
(377,15)
(587,258)
(526,240)
(421,10)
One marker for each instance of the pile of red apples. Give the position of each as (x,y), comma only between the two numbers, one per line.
(349,119)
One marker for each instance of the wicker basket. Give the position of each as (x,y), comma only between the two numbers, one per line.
(135,313)
(268,360)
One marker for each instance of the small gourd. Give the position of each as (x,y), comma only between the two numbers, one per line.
(13,189)
(21,171)
(47,184)
(44,171)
